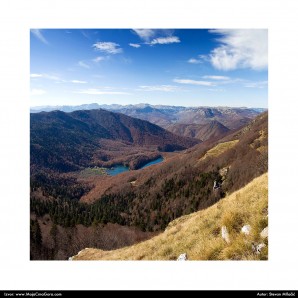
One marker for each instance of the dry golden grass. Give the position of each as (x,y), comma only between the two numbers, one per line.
(220,148)
(199,234)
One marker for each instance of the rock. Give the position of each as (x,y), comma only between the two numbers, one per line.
(257,248)
(246,229)
(260,247)
(264,233)
(182,257)
(225,234)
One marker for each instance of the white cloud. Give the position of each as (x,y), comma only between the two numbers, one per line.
(35,75)
(37,33)
(135,45)
(145,34)
(194,61)
(164,88)
(98,59)
(240,48)
(34,92)
(55,78)
(224,78)
(83,64)
(216,90)
(46,76)
(78,82)
(101,92)
(108,47)
(52,77)
(194,82)
(164,40)
(259,85)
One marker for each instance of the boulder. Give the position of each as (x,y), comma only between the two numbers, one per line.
(246,229)
(264,233)
(225,234)
(182,257)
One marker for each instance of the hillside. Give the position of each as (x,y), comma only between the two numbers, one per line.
(211,130)
(67,142)
(183,182)
(199,234)
(149,199)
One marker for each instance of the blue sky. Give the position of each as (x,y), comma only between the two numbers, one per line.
(188,67)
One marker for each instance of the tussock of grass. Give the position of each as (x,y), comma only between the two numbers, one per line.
(199,234)
(220,148)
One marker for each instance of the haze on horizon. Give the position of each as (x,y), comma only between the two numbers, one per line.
(184,67)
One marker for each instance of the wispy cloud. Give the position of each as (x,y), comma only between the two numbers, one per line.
(98,59)
(78,82)
(38,34)
(164,40)
(55,78)
(240,48)
(135,45)
(108,47)
(83,64)
(220,78)
(194,61)
(101,92)
(216,90)
(35,92)
(145,34)
(164,37)
(258,85)
(85,34)
(194,82)
(46,76)
(35,75)
(164,88)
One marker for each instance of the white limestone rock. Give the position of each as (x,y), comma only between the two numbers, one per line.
(225,234)
(182,257)
(246,229)
(264,233)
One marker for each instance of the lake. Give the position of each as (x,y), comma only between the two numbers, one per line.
(153,162)
(116,170)
(121,169)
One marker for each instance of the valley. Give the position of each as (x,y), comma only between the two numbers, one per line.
(106,180)
(115,170)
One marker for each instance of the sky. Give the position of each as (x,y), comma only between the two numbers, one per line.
(182,67)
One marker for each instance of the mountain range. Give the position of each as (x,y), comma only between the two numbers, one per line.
(164,116)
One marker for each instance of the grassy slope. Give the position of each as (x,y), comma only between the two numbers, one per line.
(199,234)
(220,148)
